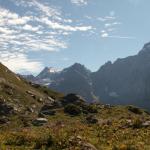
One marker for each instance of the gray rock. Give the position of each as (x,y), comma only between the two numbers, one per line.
(48,112)
(39,121)
(146,124)
(88,146)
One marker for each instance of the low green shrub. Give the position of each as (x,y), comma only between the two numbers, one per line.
(72,109)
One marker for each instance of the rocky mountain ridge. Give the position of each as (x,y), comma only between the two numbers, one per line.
(126,81)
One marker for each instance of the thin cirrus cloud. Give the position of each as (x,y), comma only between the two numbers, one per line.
(79,2)
(110,28)
(106,35)
(41,28)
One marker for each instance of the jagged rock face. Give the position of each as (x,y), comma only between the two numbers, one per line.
(75,79)
(126,81)
(47,73)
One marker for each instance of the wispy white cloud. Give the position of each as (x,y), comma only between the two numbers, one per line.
(111,26)
(106,35)
(20,62)
(79,2)
(58,26)
(41,28)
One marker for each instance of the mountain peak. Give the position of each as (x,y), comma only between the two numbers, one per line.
(145,49)
(147,45)
(48,71)
(79,67)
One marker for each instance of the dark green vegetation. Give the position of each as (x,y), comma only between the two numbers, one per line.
(34,117)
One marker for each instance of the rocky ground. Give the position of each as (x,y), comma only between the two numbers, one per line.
(72,124)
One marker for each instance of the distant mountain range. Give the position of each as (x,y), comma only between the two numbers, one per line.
(126,81)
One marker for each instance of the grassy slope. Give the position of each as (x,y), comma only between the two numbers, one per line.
(19,87)
(62,128)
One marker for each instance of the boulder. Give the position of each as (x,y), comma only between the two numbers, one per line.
(39,121)
(73,99)
(48,112)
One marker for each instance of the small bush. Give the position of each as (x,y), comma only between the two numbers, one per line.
(72,109)
(92,109)
(89,108)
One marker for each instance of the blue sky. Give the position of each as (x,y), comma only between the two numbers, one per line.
(58,33)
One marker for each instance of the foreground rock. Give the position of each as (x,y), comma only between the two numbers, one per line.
(72,99)
(47,112)
(39,121)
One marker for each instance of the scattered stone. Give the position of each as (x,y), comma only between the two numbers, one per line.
(31,94)
(33,106)
(48,107)
(50,99)
(107,106)
(39,121)
(30,110)
(48,112)
(40,100)
(146,124)
(129,122)
(88,146)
